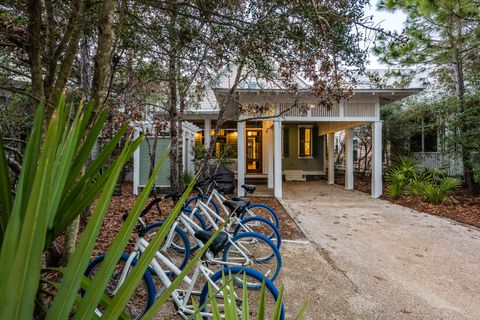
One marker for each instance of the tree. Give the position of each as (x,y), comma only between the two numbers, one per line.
(440,38)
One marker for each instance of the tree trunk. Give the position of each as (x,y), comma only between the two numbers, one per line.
(469,179)
(173,98)
(180,154)
(173,153)
(34,50)
(221,114)
(85,68)
(78,18)
(71,233)
(102,60)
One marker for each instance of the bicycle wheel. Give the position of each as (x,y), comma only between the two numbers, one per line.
(221,278)
(192,203)
(262,226)
(255,251)
(144,294)
(178,251)
(264,211)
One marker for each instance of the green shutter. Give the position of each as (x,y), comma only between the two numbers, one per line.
(286,144)
(301,150)
(315,142)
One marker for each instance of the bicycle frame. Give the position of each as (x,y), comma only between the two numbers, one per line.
(219,198)
(208,212)
(191,227)
(180,297)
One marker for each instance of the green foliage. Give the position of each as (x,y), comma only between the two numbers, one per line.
(437,193)
(433,186)
(53,169)
(225,157)
(399,177)
(199,152)
(229,300)
(187,177)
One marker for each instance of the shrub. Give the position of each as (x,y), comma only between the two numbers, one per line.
(433,186)
(438,192)
(399,177)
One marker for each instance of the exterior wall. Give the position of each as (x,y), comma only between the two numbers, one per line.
(315,165)
(144,162)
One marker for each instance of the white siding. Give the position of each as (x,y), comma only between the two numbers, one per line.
(164,173)
(359,109)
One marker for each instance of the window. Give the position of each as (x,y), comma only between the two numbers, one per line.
(355,150)
(425,140)
(305,145)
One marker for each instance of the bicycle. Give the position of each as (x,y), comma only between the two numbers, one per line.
(243,249)
(255,209)
(162,268)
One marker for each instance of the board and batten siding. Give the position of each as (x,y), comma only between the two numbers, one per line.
(164,172)
(292,161)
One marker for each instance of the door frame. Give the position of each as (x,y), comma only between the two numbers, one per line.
(259,170)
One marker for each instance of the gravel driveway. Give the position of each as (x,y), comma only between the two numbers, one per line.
(370,259)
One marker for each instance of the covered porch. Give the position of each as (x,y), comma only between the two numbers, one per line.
(277,166)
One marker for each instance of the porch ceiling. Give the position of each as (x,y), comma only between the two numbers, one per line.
(334,126)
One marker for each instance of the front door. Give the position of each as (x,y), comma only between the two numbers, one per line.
(254,151)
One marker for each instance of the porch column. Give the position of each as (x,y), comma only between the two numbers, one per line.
(349,159)
(331,158)
(240,157)
(376,159)
(270,157)
(207,124)
(277,157)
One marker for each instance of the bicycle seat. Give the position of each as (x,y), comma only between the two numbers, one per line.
(238,206)
(247,202)
(250,188)
(217,245)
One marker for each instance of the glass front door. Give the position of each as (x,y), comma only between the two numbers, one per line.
(254,151)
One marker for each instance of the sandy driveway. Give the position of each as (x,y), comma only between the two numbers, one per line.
(369,259)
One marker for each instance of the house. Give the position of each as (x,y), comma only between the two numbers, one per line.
(142,156)
(301,140)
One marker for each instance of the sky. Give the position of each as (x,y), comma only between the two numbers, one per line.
(388,21)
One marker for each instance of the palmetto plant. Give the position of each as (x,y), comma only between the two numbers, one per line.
(399,176)
(438,192)
(433,186)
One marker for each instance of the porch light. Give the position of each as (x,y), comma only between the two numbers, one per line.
(312,105)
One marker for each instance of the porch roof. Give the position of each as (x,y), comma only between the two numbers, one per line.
(387,95)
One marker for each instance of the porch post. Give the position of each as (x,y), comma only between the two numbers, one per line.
(349,159)
(240,157)
(206,132)
(270,157)
(277,157)
(376,159)
(331,158)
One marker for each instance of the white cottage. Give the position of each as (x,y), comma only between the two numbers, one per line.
(297,145)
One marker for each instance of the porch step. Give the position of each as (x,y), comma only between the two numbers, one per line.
(255,180)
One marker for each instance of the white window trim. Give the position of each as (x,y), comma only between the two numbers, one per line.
(298,140)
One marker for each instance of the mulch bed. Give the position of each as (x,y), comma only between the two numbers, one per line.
(462,206)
